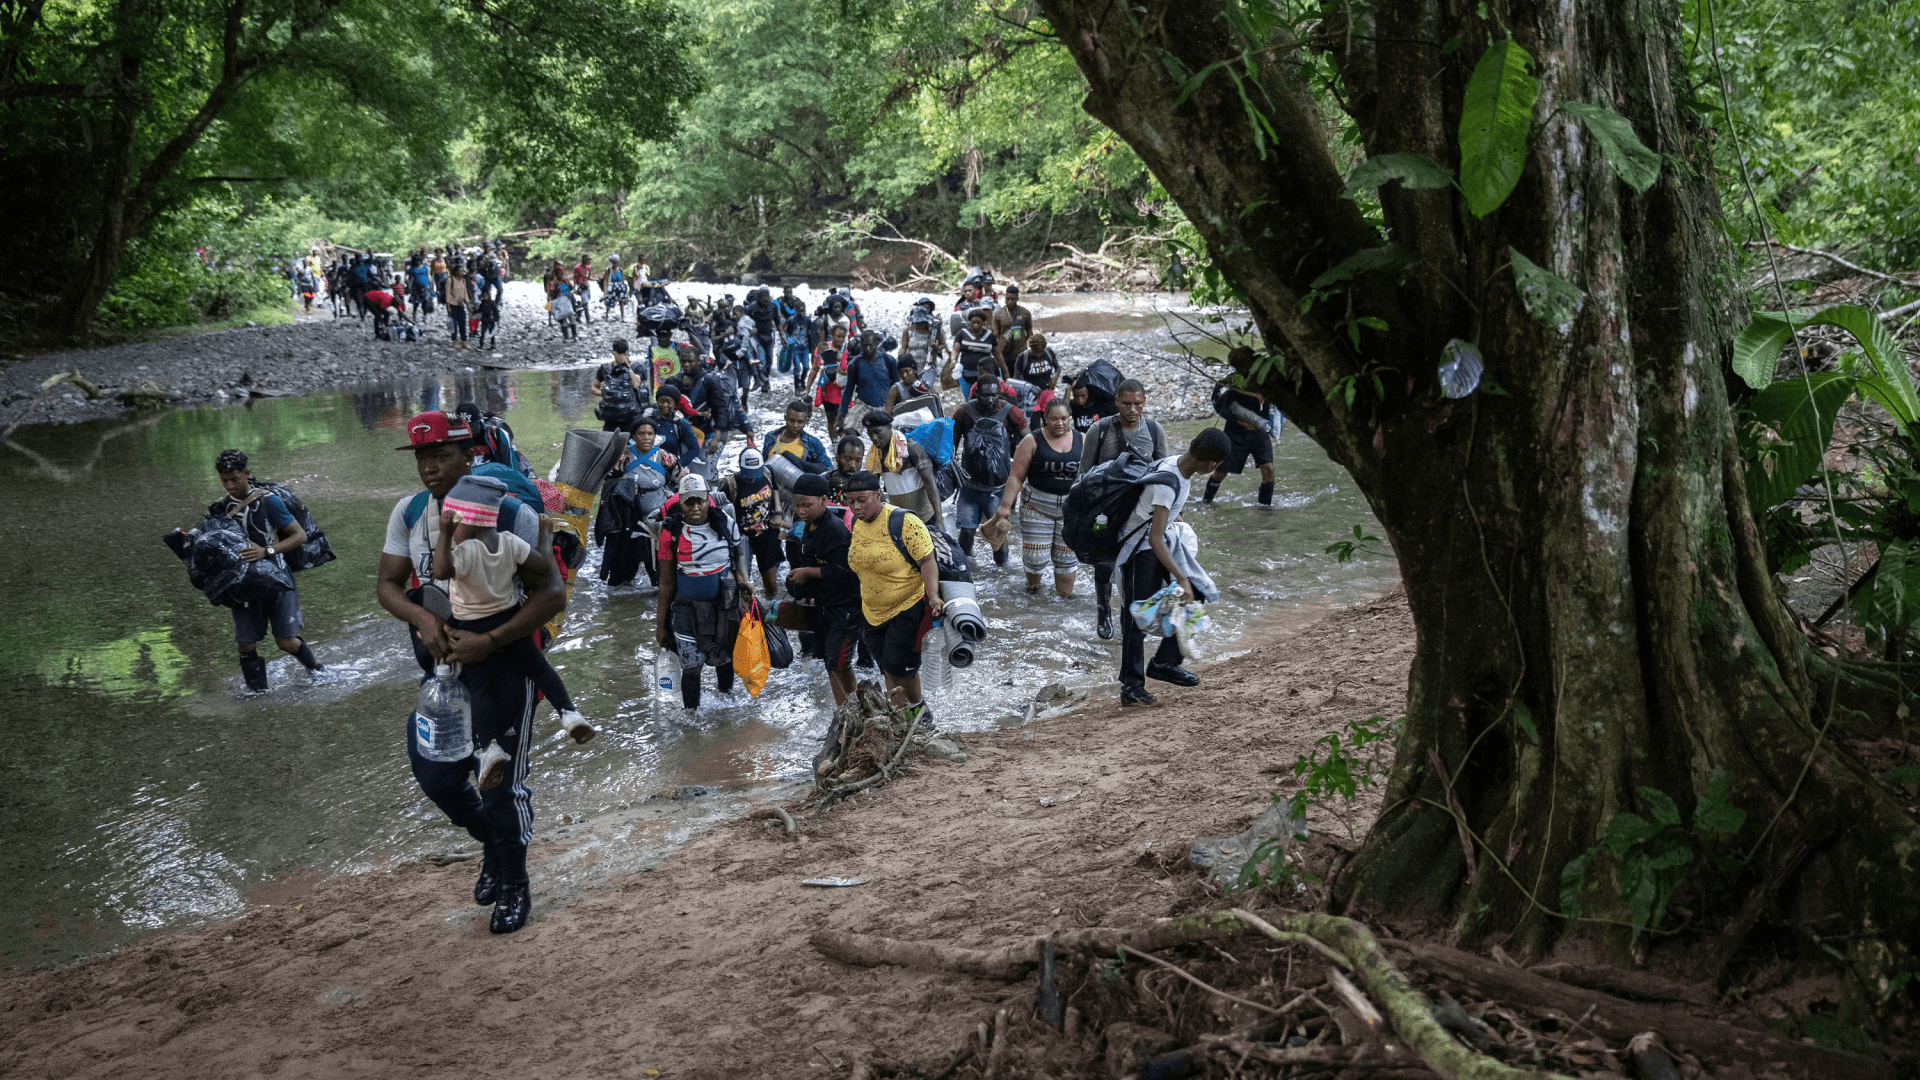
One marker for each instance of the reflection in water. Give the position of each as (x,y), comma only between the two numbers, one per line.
(160,794)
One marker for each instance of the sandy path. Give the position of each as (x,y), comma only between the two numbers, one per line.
(700,967)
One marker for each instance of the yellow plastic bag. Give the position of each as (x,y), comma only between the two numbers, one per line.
(750,660)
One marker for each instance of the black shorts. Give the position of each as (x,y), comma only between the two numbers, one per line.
(768,549)
(896,642)
(838,631)
(833,409)
(1242,444)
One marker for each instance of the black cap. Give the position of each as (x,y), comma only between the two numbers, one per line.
(812,484)
(862,481)
(878,418)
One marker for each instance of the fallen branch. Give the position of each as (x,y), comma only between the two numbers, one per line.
(1618,1020)
(1183,973)
(1838,261)
(1007,963)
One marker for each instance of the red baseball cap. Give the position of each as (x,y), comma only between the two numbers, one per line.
(433,428)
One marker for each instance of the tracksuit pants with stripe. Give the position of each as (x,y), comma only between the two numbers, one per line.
(503,711)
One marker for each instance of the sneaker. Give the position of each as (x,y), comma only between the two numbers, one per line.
(926,717)
(575,725)
(493,766)
(1134,695)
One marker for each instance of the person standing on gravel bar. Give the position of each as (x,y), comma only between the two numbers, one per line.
(582,292)
(620,389)
(271,531)
(892,554)
(1104,441)
(459,294)
(1012,326)
(1146,564)
(500,818)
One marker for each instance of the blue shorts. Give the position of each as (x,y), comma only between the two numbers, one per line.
(281,610)
(972,506)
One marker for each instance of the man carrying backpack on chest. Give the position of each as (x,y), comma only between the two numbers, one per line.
(1146,564)
(272,531)
(985,431)
(1128,429)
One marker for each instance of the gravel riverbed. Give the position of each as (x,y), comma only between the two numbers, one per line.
(319,351)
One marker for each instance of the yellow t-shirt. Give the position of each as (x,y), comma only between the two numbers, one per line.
(888,585)
(782,445)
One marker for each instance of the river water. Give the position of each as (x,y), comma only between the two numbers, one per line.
(143,791)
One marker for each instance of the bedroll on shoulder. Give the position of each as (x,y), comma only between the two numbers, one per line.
(212,550)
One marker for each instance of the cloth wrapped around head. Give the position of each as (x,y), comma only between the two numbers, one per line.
(475,500)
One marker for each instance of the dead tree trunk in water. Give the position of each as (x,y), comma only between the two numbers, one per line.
(1591,597)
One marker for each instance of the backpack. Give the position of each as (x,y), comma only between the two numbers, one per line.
(1103,378)
(723,397)
(952,563)
(619,398)
(1101,501)
(317,551)
(987,456)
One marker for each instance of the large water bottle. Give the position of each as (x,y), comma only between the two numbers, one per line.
(443,717)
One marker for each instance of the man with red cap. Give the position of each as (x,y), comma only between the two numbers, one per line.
(501,818)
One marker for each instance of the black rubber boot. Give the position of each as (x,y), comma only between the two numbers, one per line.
(690,687)
(966,542)
(487,888)
(253,668)
(1213,488)
(514,898)
(304,654)
(1266,493)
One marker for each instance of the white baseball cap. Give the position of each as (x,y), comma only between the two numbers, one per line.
(751,459)
(693,484)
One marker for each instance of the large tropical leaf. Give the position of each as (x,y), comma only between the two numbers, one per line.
(1548,298)
(1758,347)
(1785,435)
(1637,166)
(1495,119)
(1412,170)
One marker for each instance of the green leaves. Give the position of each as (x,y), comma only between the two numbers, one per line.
(1758,347)
(1381,258)
(1785,439)
(1415,171)
(1635,165)
(1523,716)
(1548,299)
(1495,119)
(1715,812)
(1652,854)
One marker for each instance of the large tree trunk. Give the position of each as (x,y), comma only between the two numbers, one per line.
(1574,537)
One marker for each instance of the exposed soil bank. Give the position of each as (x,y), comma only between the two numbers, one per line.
(699,966)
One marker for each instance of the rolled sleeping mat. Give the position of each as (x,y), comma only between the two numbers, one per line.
(959,652)
(586,457)
(963,610)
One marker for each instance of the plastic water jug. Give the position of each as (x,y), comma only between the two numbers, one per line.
(666,672)
(443,717)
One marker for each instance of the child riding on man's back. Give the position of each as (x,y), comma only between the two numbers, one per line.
(481,565)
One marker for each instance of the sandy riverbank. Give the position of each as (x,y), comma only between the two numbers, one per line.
(699,966)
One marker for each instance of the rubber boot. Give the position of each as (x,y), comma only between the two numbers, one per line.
(304,654)
(690,687)
(1266,493)
(1213,488)
(487,888)
(514,898)
(966,542)
(253,668)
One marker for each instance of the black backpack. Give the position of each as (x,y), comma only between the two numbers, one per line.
(952,563)
(1102,500)
(317,551)
(987,456)
(619,399)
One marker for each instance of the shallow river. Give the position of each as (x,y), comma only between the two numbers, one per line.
(142,791)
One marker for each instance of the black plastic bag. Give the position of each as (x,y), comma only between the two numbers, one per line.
(215,567)
(779,648)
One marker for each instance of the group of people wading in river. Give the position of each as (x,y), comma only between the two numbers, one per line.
(871,533)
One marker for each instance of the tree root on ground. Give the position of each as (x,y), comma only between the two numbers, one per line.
(1379,1022)
(867,746)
